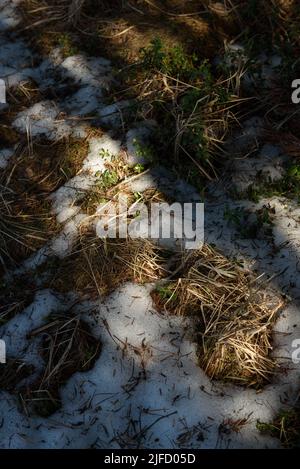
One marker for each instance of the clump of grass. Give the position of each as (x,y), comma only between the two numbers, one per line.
(42,166)
(36,170)
(12,373)
(8,136)
(25,93)
(285,427)
(25,225)
(19,97)
(290,143)
(98,266)
(192,106)
(229,425)
(233,318)
(15,296)
(66,43)
(68,346)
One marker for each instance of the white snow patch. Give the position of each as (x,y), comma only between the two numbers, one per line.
(101,150)
(87,71)
(5,155)
(111,115)
(42,119)
(15,61)
(62,244)
(9,17)
(84,101)
(147,373)
(136,140)
(269,163)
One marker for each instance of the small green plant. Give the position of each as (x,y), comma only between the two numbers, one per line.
(294,172)
(166,292)
(108,179)
(171,61)
(65,41)
(286,427)
(175,63)
(233,215)
(190,105)
(287,186)
(247,227)
(139,168)
(137,196)
(105,153)
(142,150)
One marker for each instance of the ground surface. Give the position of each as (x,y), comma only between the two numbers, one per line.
(145,389)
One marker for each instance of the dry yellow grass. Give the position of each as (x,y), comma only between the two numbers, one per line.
(68,346)
(25,225)
(233,317)
(98,266)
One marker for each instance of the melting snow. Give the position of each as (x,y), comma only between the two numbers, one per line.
(147,371)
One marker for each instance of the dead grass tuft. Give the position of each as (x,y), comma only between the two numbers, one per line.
(15,296)
(67,347)
(25,225)
(233,317)
(19,97)
(42,166)
(98,266)
(12,374)
(37,169)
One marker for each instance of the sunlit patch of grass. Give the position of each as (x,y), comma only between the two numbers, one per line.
(107,182)
(98,266)
(233,318)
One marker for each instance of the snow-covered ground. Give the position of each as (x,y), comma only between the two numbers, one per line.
(146,389)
